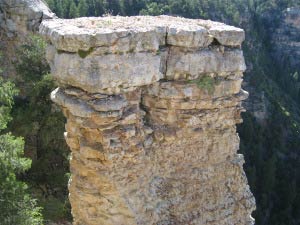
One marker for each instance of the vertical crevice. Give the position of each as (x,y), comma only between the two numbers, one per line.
(167,54)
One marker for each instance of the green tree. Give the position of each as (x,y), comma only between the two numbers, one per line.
(16,205)
(31,61)
(73,13)
(66,7)
(153,9)
(42,125)
(82,8)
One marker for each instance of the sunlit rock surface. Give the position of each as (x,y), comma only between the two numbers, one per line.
(152,105)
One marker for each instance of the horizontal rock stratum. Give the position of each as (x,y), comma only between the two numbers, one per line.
(139,33)
(152,105)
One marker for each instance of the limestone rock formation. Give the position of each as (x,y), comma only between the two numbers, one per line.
(18,20)
(19,16)
(152,105)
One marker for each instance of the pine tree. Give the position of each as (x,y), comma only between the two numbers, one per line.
(82,8)
(73,13)
(58,8)
(16,206)
(34,117)
(66,8)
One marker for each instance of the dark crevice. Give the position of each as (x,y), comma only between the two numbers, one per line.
(168,54)
(215,42)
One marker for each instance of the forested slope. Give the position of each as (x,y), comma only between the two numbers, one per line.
(269,135)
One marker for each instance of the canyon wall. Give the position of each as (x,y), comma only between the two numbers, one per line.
(286,39)
(18,20)
(152,105)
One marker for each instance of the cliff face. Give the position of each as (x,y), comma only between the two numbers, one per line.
(18,20)
(286,39)
(152,105)
(19,17)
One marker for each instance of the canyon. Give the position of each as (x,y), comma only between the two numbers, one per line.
(152,105)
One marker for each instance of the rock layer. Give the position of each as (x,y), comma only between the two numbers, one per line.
(152,105)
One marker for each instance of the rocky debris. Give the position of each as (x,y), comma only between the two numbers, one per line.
(152,105)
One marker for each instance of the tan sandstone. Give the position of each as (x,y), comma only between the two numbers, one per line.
(152,105)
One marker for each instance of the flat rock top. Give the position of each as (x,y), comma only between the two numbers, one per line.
(98,31)
(91,25)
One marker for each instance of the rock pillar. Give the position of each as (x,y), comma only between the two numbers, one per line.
(152,105)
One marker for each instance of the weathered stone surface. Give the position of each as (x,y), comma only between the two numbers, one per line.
(224,34)
(121,34)
(182,90)
(151,142)
(191,65)
(188,36)
(76,107)
(114,73)
(140,33)
(106,73)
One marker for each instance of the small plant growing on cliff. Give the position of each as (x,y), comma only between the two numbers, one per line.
(84,54)
(206,83)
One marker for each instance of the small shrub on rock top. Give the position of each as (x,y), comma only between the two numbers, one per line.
(84,54)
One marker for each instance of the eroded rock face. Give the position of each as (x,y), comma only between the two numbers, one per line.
(21,16)
(18,20)
(152,105)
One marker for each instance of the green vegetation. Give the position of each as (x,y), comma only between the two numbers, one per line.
(41,123)
(16,205)
(206,83)
(154,9)
(84,54)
